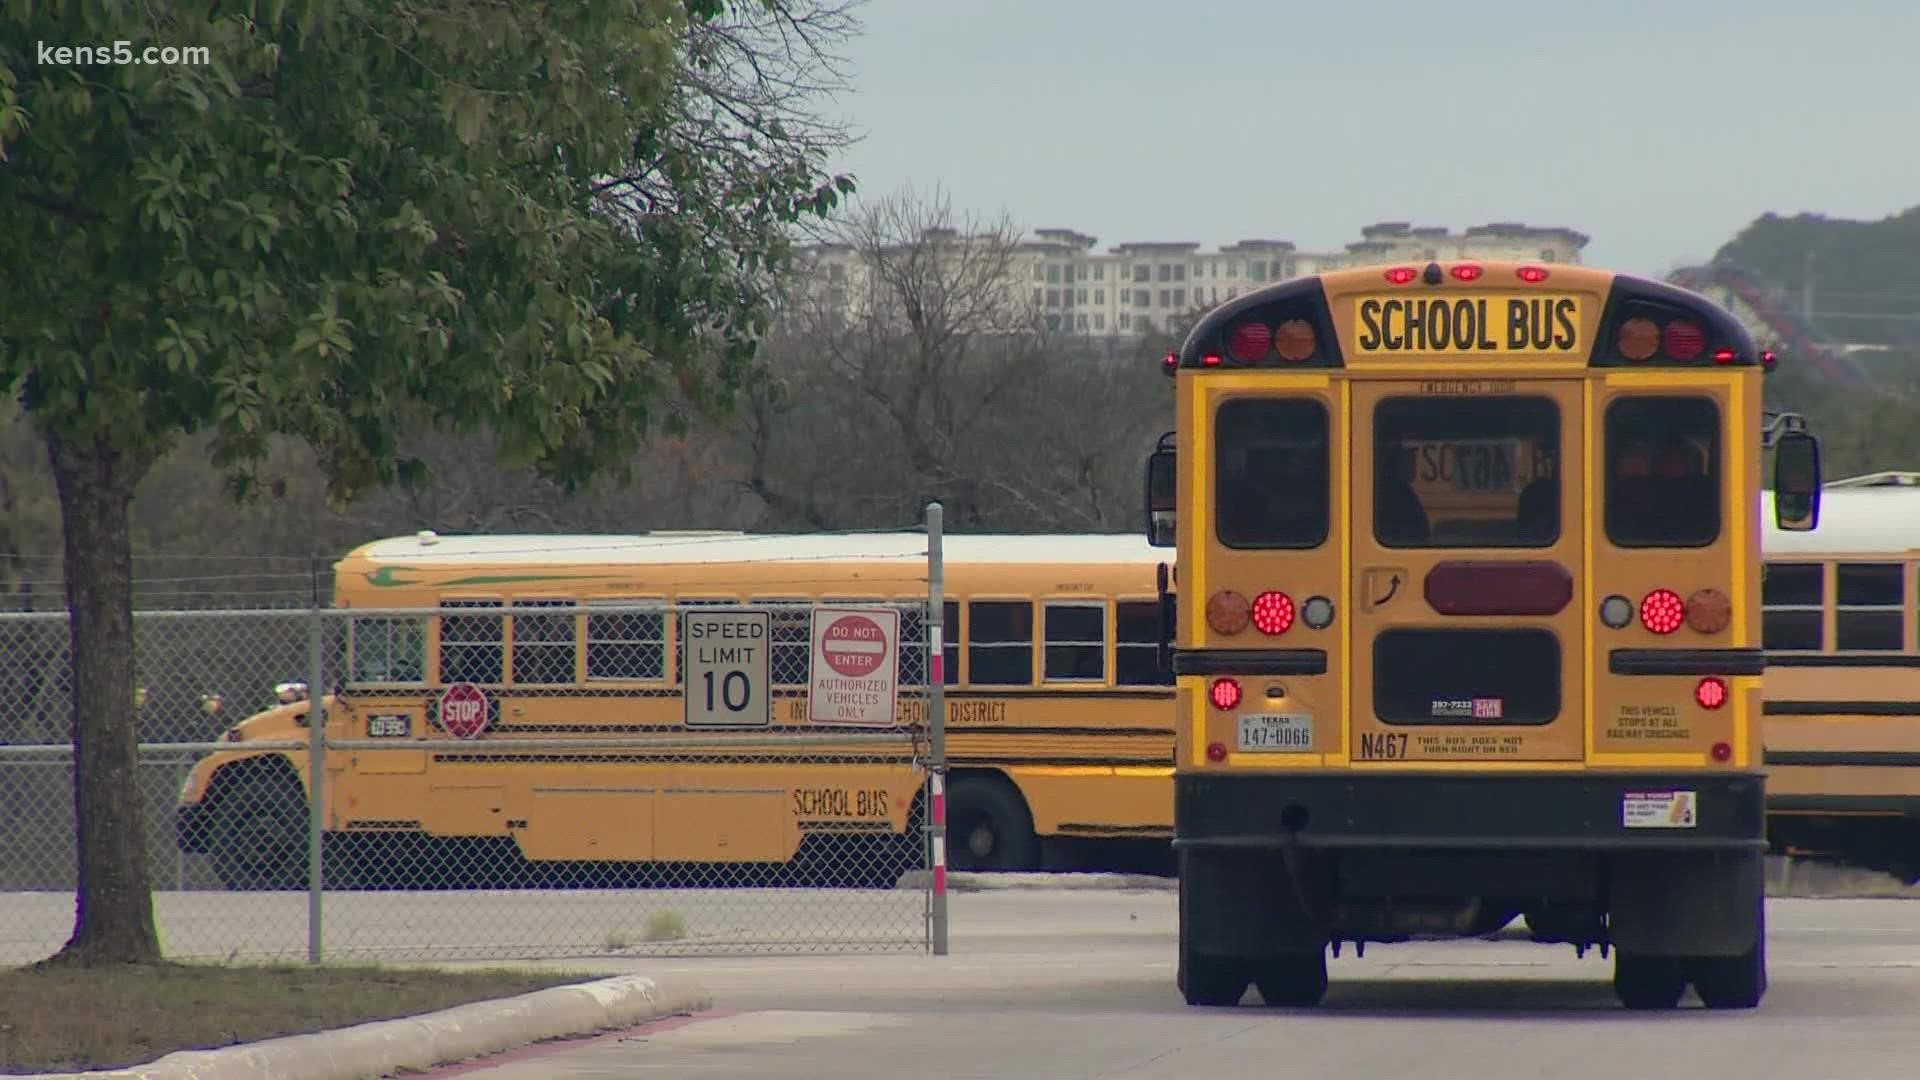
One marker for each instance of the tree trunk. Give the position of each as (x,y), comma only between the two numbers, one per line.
(113,911)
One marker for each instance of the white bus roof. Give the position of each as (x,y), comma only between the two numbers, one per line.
(430,549)
(1853,521)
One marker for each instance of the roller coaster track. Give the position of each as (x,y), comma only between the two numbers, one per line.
(1772,321)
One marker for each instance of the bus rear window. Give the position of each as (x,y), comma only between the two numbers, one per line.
(1466,472)
(1663,472)
(1271,480)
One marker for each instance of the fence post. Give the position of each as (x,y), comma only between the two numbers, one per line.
(316,771)
(937,725)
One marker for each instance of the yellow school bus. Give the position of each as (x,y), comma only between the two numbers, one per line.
(1843,678)
(1056,706)
(1415,701)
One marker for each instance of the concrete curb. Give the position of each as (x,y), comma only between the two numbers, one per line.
(384,1047)
(1043,882)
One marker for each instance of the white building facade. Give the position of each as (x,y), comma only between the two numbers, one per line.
(1056,276)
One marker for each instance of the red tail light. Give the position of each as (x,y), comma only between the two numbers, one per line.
(1466,272)
(1722,752)
(1661,611)
(1400,275)
(1711,693)
(1216,752)
(1683,340)
(1225,693)
(1272,613)
(1249,341)
(1532,275)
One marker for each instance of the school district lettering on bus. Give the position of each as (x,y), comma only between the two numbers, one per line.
(728,669)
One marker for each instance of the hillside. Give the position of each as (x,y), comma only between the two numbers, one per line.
(1865,275)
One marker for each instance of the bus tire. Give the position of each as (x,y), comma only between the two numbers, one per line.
(989,826)
(1211,981)
(258,839)
(1293,981)
(1647,982)
(1733,982)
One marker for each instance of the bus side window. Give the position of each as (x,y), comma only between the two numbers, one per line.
(792,654)
(1793,606)
(1076,638)
(1000,643)
(543,645)
(626,644)
(1136,646)
(1870,602)
(913,644)
(388,650)
(473,647)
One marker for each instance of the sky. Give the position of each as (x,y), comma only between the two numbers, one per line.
(1657,128)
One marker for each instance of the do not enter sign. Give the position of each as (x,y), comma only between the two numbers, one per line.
(855,667)
(463,710)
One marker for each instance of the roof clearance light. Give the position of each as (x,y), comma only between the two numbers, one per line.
(1466,272)
(1294,340)
(1532,275)
(1400,275)
(1684,340)
(1210,360)
(1170,363)
(1662,611)
(1638,339)
(1768,356)
(1272,613)
(1711,693)
(1225,693)
(1249,341)
(1723,356)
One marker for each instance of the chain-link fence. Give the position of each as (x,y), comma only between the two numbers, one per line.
(500,779)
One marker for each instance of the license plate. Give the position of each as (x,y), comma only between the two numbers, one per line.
(388,727)
(1285,732)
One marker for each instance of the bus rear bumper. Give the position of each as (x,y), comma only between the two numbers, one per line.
(1589,811)
(1272,862)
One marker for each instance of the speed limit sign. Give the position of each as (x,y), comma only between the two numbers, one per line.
(727,674)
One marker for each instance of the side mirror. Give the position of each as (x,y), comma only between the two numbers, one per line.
(1796,482)
(1162,484)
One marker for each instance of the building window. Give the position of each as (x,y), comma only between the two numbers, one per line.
(1180,298)
(1099,296)
(1166,271)
(1099,321)
(1081,322)
(1142,298)
(1053,297)
(1547,255)
(1082,296)
(1126,321)
(1053,275)
(1179,271)
(1142,272)
(1080,272)
(1099,272)
(1793,606)
(1869,604)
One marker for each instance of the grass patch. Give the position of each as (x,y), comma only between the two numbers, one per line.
(666,925)
(67,1019)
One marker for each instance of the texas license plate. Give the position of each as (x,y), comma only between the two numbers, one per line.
(1285,732)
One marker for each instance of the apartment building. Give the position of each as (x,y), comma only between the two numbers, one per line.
(1056,278)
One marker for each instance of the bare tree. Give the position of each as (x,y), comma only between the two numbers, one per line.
(925,371)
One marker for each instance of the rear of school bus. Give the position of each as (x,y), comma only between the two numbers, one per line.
(1469,627)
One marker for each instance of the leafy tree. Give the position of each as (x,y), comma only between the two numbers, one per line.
(553,223)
